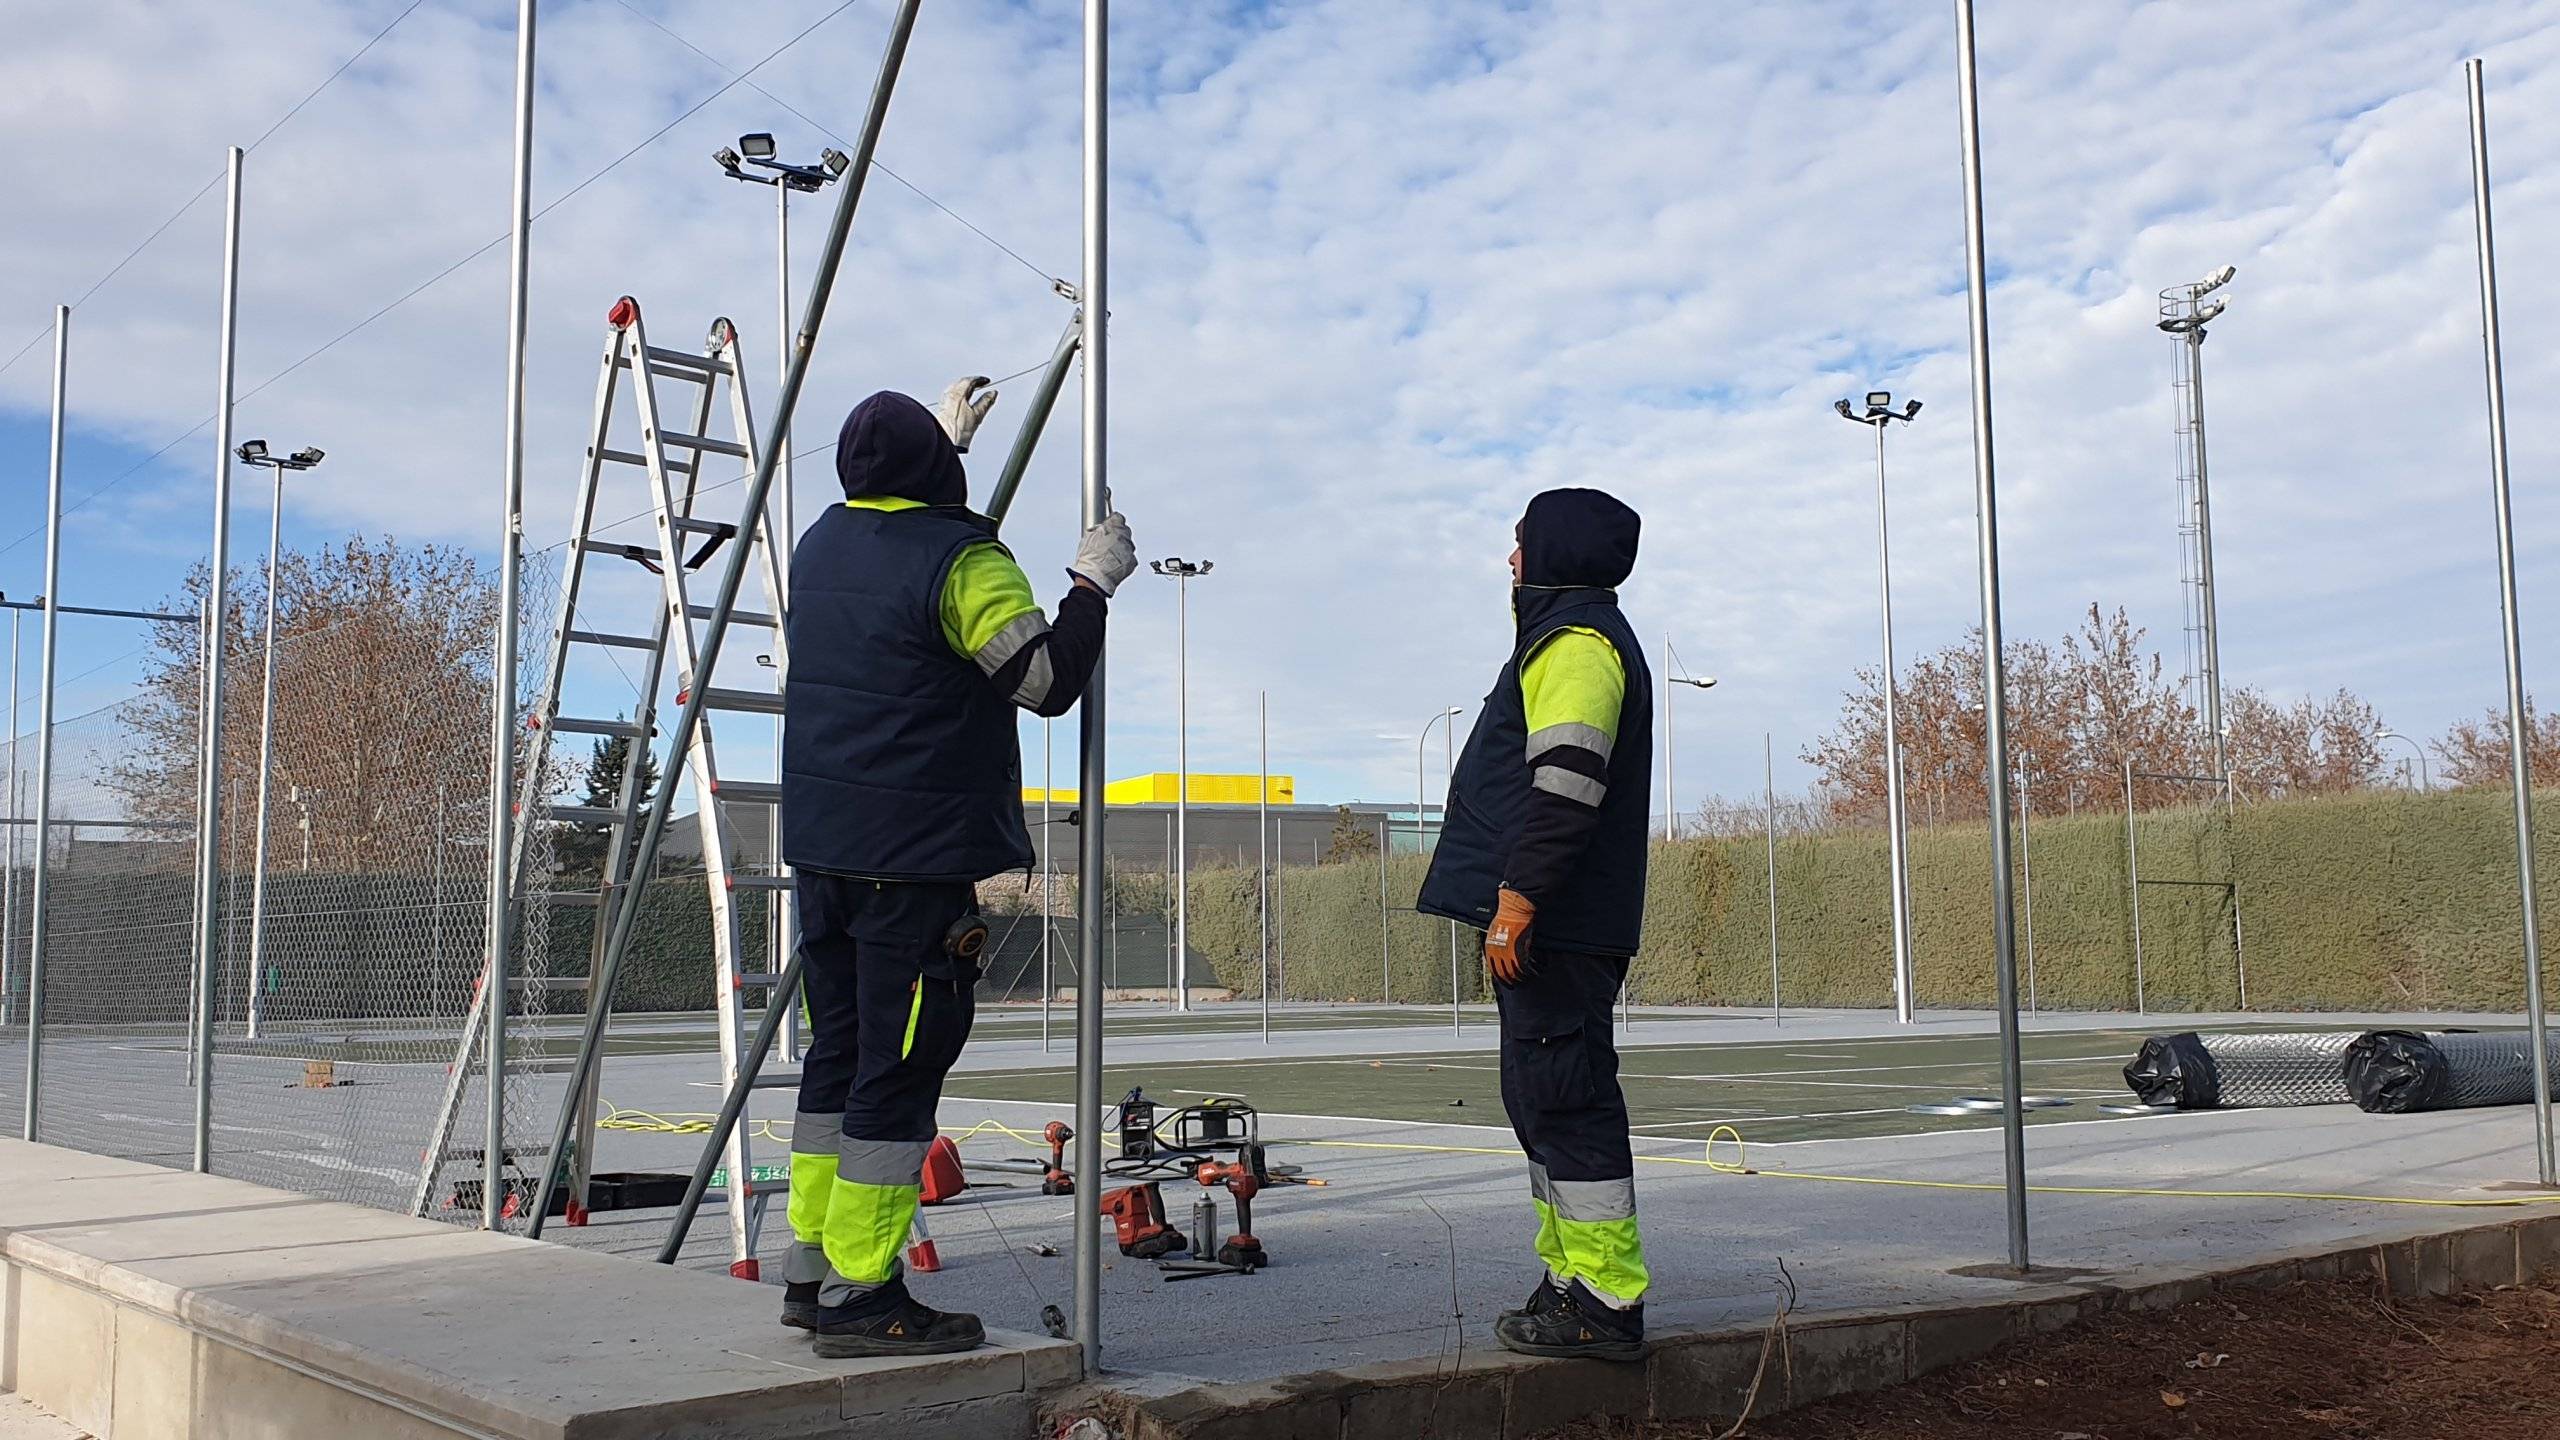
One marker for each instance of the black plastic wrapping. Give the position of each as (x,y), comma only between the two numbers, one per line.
(2397,1072)
(2175,1070)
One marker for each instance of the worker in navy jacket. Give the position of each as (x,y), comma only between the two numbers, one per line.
(1543,848)
(914,641)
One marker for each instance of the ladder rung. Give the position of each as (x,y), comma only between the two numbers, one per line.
(760,882)
(581,814)
(573,725)
(755,702)
(546,982)
(748,792)
(627,551)
(624,642)
(704,443)
(634,457)
(577,899)
(758,982)
(680,360)
(736,617)
(687,525)
(776,1082)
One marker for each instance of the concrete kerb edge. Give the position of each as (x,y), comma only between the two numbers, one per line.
(1697,1375)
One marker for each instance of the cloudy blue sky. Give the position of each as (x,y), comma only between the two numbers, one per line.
(1381,272)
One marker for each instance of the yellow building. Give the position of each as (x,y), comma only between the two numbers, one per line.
(1163,787)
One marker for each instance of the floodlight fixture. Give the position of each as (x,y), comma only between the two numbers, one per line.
(1703,682)
(836,161)
(1879,399)
(1178,568)
(1842,406)
(309,455)
(728,160)
(758,146)
(252,451)
(2214,281)
(1911,410)
(2205,315)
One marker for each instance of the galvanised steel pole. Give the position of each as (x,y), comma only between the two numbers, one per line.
(1769,803)
(498,934)
(209,764)
(36,896)
(1448,787)
(1900,859)
(266,765)
(2027,865)
(9,862)
(715,631)
(1262,871)
(1091,779)
(1048,876)
(1670,795)
(784,913)
(1995,706)
(1386,980)
(2494,372)
(1182,792)
(2207,612)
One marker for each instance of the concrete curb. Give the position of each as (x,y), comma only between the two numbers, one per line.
(1706,1375)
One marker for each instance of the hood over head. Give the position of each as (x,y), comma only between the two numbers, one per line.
(892,446)
(1576,538)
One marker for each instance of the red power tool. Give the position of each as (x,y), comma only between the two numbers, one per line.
(1056,1180)
(1241,1251)
(1137,1212)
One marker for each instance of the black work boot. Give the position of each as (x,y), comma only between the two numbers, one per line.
(1541,1300)
(1580,1326)
(800,1307)
(889,1321)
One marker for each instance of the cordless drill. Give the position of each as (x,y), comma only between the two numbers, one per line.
(1137,1213)
(1241,1250)
(1056,1181)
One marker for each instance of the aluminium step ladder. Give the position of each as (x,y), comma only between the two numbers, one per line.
(672,463)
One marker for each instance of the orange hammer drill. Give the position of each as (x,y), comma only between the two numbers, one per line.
(1241,1250)
(1056,1181)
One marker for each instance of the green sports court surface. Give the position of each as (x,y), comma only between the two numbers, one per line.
(1769,1090)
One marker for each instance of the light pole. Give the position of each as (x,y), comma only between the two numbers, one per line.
(1422,841)
(758,150)
(2415,749)
(1878,414)
(1182,572)
(2184,315)
(1671,677)
(254,453)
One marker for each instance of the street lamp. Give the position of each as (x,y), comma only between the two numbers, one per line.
(1422,829)
(2184,314)
(759,151)
(1878,414)
(1182,572)
(254,452)
(2415,749)
(1671,676)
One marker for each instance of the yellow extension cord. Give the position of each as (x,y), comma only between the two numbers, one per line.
(1737,1165)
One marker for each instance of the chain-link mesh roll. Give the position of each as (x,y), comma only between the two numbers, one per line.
(2205,1072)
(2396,1072)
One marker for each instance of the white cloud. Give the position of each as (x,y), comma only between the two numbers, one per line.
(1380,273)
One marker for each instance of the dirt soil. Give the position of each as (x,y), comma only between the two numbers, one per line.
(2309,1362)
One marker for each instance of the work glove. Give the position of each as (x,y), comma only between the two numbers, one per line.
(962,409)
(1106,555)
(1506,941)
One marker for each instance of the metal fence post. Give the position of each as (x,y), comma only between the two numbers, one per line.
(37,885)
(209,780)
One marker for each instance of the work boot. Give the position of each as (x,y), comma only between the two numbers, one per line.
(800,1307)
(1541,1300)
(889,1321)
(1580,1326)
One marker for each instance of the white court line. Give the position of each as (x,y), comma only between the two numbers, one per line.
(1810,1055)
(1769,1120)
(1273,1114)
(1869,1069)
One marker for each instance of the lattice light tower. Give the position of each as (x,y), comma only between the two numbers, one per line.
(2184,314)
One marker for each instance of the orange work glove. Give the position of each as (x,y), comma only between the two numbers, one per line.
(1506,941)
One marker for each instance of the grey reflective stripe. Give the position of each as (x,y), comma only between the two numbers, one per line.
(816,1134)
(1008,642)
(1540,1187)
(1037,677)
(1556,780)
(1595,1201)
(882,1162)
(1572,732)
(805,1263)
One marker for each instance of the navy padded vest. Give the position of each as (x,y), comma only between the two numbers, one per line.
(1600,910)
(899,760)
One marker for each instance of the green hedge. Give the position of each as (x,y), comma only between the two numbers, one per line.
(2384,900)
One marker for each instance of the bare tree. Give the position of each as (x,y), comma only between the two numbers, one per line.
(2474,752)
(382,703)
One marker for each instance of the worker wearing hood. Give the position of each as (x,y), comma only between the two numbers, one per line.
(914,641)
(1542,847)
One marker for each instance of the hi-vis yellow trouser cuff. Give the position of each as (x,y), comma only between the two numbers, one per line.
(870,1209)
(1587,1232)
